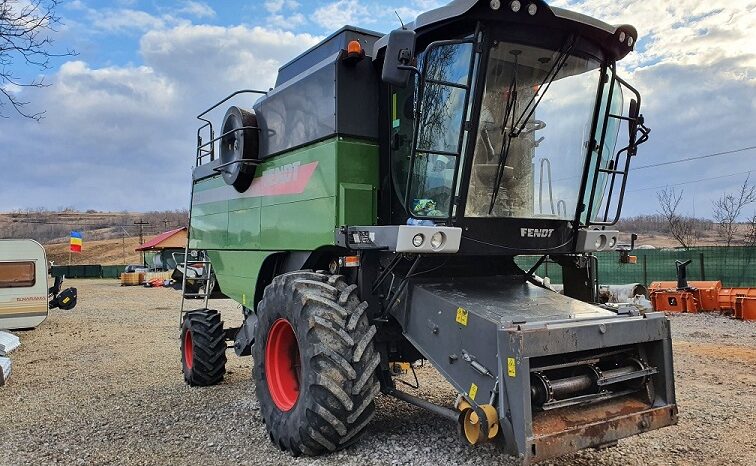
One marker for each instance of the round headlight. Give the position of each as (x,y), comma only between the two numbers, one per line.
(515,5)
(417,240)
(612,241)
(495,4)
(532,9)
(630,41)
(622,36)
(437,240)
(600,242)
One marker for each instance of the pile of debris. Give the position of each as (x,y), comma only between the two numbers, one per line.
(8,343)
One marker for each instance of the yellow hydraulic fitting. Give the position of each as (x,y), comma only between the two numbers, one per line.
(469,421)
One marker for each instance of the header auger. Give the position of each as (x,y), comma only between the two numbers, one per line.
(366,212)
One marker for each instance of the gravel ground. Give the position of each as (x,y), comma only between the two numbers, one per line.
(103,384)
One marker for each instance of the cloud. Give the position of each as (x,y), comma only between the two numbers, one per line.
(276,6)
(284,14)
(126,19)
(334,15)
(124,137)
(197,9)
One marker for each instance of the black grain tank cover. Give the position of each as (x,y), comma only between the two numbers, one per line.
(317,96)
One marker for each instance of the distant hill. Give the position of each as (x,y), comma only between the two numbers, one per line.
(55,227)
(109,237)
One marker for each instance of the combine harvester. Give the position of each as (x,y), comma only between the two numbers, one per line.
(366,212)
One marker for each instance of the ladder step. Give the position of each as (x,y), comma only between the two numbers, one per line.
(195,295)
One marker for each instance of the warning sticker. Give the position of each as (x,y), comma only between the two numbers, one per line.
(473,391)
(461,316)
(511,367)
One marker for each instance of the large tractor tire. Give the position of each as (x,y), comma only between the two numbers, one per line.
(203,348)
(315,363)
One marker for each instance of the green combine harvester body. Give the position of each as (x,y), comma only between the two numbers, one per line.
(366,211)
(328,183)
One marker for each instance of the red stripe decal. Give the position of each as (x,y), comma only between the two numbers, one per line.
(287,179)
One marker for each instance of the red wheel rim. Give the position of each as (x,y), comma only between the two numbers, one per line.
(188,350)
(282,366)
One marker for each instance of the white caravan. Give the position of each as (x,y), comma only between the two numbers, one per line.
(24,290)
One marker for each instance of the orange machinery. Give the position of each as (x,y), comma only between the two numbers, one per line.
(696,297)
(703,296)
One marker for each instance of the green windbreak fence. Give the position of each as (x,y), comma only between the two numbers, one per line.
(88,271)
(734,266)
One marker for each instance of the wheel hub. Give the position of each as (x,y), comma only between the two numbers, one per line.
(188,350)
(282,365)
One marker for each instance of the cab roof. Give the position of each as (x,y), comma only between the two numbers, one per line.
(605,35)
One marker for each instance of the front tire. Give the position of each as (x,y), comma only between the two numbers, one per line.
(203,348)
(315,363)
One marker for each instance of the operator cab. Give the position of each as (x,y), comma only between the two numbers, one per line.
(504,119)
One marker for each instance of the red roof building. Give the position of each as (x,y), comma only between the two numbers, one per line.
(173,239)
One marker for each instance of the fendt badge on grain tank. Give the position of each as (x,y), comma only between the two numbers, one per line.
(366,213)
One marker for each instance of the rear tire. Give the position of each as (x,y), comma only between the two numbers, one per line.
(315,382)
(203,348)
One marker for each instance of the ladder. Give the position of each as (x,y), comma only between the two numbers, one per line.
(206,281)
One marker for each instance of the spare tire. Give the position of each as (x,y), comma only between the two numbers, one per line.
(242,144)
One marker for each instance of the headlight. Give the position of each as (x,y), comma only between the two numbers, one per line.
(600,242)
(495,4)
(515,6)
(622,36)
(532,9)
(612,242)
(437,240)
(417,240)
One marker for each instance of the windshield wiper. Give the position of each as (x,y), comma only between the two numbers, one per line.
(509,112)
(518,125)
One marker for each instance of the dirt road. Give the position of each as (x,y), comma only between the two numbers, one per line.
(102,384)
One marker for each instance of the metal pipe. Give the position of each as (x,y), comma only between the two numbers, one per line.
(426,405)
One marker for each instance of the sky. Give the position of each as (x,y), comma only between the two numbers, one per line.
(119,131)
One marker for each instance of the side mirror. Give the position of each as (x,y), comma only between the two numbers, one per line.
(636,125)
(400,51)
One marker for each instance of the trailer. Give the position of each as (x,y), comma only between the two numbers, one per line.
(366,212)
(25,294)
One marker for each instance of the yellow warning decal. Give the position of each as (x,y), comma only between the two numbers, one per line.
(511,367)
(461,316)
(473,391)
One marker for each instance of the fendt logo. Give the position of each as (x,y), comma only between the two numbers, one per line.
(536,232)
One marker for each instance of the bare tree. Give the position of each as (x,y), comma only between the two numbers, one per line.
(728,208)
(682,228)
(750,237)
(25,26)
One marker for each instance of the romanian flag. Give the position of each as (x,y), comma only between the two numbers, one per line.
(75,241)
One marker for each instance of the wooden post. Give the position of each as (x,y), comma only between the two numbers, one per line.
(645,271)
